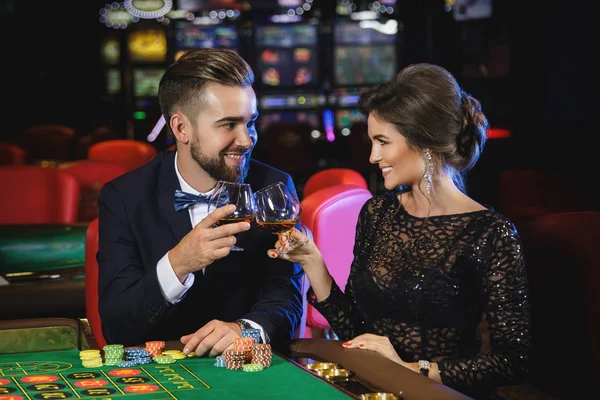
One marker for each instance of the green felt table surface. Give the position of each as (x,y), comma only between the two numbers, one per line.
(35,248)
(60,375)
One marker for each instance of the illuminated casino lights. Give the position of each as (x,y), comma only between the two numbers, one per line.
(382,7)
(225,14)
(148,9)
(448,5)
(115,16)
(294,10)
(329,124)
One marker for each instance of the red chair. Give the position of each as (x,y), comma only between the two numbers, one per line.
(11,154)
(331,214)
(92,175)
(563,269)
(525,194)
(129,153)
(333,176)
(91,283)
(38,195)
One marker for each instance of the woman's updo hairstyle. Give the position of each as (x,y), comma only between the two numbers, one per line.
(431,111)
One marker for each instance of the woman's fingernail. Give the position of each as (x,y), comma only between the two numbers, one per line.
(186,351)
(346,343)
(272,254)
(361,345)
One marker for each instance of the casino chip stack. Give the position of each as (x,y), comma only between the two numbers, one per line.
(91,358)
(238,358)
(137,355)
(253,333)
(252,367)
(175,354)
(220,362)
(244,344)
(113,354)
(262,355)
(155,348)
(234,359)
(163,359)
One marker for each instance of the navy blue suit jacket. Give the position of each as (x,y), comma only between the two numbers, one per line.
(138,225)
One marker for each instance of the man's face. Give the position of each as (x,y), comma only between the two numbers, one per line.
(225,132)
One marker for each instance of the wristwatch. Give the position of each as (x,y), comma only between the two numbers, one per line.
(424,367)
(246,325)
(243,324)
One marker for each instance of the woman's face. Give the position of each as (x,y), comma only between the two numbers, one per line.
(399,164)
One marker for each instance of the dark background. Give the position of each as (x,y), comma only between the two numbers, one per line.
(52,74)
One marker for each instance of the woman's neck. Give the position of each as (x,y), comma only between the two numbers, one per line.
(445,198)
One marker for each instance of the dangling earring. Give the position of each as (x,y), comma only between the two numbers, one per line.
(428,171)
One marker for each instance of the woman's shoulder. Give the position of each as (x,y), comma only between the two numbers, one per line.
(380,202)
(495,222)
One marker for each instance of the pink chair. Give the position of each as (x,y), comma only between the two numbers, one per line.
(333,176)
(301,333)
(331,214)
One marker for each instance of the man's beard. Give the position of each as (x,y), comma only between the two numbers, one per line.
(217,167)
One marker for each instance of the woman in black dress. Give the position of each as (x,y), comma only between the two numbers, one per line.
(430,263)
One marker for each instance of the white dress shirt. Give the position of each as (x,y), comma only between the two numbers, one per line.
(170,286)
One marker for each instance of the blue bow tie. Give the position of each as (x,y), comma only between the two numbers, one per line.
(185,200)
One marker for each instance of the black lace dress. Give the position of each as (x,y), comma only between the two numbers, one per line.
(428,287)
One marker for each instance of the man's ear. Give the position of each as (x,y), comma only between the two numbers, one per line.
(181,128)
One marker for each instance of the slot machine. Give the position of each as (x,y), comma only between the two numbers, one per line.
(147,51)
(210,24)
(290,95)
(111,59)
(366,52)
(114,58)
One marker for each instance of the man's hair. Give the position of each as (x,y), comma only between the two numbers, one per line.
(183,85)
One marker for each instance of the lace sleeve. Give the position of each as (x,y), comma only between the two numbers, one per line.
(507,313)
(340,308)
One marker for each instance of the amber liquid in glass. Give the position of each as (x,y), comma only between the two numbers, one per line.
(225,221)
(276,227)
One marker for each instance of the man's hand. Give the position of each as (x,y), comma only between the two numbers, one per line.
(212,339)
(205,243)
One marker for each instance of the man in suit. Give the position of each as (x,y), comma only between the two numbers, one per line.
(169,274)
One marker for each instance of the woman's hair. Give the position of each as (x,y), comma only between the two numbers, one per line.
(183,86)
(427,106)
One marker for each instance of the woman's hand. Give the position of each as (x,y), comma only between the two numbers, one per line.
(378,344)
(295,246)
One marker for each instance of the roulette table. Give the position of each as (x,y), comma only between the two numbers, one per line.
(42,359)
(42,270)
(60,375)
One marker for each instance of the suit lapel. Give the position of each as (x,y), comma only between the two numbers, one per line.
(180,221)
